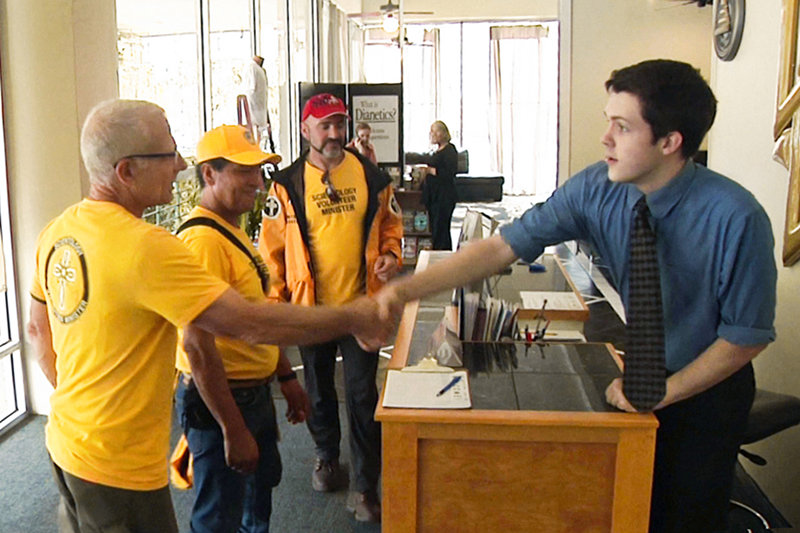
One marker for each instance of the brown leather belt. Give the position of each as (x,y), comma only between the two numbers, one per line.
(232,383)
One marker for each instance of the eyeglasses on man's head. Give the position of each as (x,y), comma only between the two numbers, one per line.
(174,154)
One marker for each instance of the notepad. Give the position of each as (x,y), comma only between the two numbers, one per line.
(418,390)
(561,300)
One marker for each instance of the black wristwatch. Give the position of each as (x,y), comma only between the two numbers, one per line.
(287,377)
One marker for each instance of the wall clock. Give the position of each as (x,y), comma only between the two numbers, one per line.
(728,27)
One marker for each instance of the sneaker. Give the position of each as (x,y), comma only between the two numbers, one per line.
(365,505)
(328,476)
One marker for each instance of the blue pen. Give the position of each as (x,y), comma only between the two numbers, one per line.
(449,385)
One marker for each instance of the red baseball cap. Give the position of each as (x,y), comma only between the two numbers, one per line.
(323,105)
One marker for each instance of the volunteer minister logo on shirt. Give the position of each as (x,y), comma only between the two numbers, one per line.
(66,283)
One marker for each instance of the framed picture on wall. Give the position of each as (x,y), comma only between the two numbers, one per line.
(787,126)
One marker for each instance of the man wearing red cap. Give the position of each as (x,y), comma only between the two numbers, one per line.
(331,231)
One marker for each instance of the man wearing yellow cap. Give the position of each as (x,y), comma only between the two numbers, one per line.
(229,168)
(331,232)
(109,290)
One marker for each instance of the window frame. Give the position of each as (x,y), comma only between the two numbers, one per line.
(11,348)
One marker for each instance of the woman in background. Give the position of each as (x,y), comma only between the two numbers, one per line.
(362,143)
(439,188)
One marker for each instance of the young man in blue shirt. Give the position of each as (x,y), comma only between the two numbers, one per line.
(718,276)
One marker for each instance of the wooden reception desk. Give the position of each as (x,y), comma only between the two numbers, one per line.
(540,450)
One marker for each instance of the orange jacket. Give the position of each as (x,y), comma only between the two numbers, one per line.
(283,241)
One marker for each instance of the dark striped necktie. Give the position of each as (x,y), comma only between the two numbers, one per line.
(645,374)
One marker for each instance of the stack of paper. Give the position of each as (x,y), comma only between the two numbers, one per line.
(560,300)
(427,390)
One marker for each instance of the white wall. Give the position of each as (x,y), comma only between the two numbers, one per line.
(616,33)
(740,146)
(59,59)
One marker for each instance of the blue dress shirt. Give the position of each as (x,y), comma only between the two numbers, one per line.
(715,249)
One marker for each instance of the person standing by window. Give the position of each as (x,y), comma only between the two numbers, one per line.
(439,188)
(255,88)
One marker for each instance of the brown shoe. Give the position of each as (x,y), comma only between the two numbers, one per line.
(365,505)
(328,476)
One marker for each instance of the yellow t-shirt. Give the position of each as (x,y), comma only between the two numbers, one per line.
(115,288)
(223,259)
(336,231)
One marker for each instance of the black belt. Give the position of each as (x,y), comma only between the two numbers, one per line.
(232,383)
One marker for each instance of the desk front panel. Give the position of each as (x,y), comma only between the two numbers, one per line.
(515,478)
(539,451)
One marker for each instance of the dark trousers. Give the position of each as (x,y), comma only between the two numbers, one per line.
(696,449)
(227,501)
(88,507)
(440,215)
(361,398)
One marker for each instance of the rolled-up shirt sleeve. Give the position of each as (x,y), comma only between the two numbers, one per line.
(748,282)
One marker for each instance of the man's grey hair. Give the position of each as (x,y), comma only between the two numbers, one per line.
(113,130)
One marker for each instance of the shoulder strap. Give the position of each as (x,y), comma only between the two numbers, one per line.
(261,268)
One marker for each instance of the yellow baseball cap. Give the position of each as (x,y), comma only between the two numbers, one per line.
(234,144)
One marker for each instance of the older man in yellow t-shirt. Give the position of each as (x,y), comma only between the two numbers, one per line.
(108,291)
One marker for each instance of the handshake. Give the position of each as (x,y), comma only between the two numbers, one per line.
(373,319)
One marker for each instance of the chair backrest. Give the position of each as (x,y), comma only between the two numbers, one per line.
(463,162)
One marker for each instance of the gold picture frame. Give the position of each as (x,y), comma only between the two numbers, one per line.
(787,126)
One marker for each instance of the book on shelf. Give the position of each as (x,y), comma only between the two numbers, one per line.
(409,247)
(421,221)
(408,221)
(485,318)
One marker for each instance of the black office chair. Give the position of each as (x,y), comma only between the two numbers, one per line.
(751,509)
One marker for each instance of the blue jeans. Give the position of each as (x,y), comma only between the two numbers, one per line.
(361,398)
(227,501)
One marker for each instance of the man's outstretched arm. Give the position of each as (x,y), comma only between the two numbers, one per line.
(474,261)
(231,315)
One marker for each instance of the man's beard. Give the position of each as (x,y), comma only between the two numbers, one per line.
(334,151)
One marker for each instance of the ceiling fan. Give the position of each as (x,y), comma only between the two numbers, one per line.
(700,3)
(387,15)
